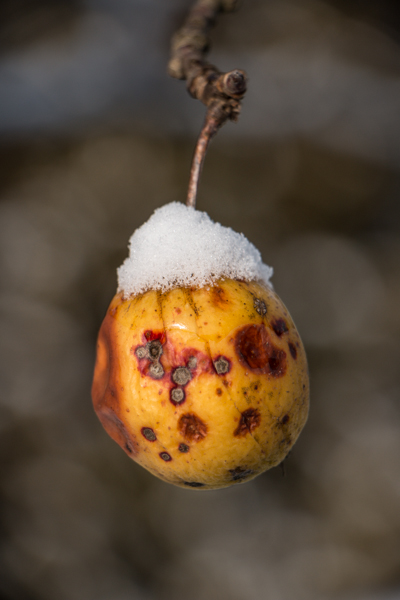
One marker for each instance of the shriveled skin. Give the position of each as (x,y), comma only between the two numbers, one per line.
(203,387)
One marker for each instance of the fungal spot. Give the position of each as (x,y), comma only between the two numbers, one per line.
(154,349)
(141,352)
(219,392)
(181,376)
(183,448)
(192,427)
(192,362)
(256,351)
(148,334)
(165,456)
(249,421)
(178,311)
(156,370)
(177,396)
(149,434)
(279,326)
(240,473)
(222,365)
(292,350)
(285,419)
(260,306)
(193,484)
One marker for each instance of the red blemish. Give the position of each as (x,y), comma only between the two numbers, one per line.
(256,351)
(192,427)
(249,420)
(150,335)
(178,311)
(279,326)
(113,311)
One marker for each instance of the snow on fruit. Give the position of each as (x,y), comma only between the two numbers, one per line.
(201,376)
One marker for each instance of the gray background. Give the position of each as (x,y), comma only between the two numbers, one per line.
(94,137)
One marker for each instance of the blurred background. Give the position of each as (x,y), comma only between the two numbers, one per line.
(94,137)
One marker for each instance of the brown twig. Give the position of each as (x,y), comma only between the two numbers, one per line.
(220,92)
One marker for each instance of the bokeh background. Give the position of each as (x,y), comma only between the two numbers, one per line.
(94,137)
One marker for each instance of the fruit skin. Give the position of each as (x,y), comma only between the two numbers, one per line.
(204,387)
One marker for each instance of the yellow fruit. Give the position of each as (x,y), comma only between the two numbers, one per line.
(203,387)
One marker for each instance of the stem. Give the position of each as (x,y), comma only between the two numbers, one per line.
(220,92)
(208,131)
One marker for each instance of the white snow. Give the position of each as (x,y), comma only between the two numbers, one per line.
(181,246)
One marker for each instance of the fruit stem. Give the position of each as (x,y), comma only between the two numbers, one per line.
(220,92)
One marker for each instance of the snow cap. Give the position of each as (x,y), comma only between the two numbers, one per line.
(180,246)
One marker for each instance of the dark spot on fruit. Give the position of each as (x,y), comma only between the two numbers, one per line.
(181,376)
(148,334)
(292,349)
(256,351)
(219,392)
(156,371)
(285,419)
(255,388)
(165,456)
(222,365)
(183,448)
(194,484)
(117,430)
(279,326)
(260,306)
(154,349)
(177,396)
(218,297)
(141,352)
(240,473)
(192,362)
(192,427)
(149,434)
(249,421)
(178,311)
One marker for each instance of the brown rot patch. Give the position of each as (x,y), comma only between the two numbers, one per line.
(181,376)
(260,306)
(256,351)
(177,396)
(218,391)
(240,473)
(149,434)
(222,365)
(183,448)
(292,350)
(279,326)
(249,421)
(165,456)
(192,427)
(193,484)
(117,430)
(219,297)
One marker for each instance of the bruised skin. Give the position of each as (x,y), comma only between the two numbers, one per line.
(205,388)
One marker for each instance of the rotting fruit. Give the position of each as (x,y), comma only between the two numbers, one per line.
(204,387)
